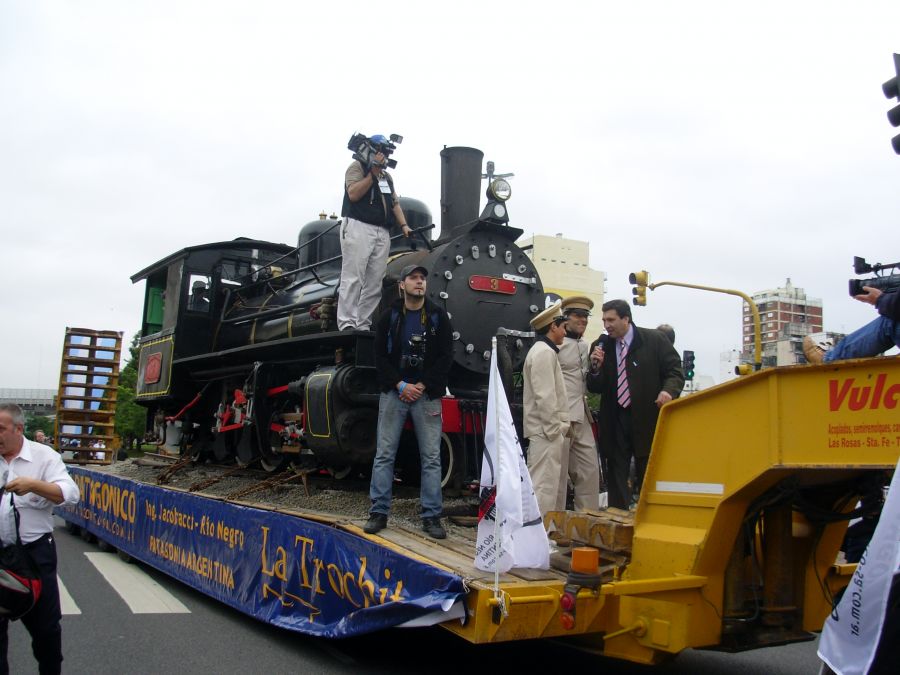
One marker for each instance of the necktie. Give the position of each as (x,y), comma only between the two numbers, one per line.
(622,393)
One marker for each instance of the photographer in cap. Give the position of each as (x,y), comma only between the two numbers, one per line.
(875,337)
(546,419)
(413,354)
(371,207)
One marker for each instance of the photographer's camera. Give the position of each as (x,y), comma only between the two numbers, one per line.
(415,358)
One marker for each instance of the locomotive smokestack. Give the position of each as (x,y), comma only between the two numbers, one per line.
(460,189)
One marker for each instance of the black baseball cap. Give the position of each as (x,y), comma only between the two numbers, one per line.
(409,269)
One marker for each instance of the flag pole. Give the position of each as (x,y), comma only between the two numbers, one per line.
(497,549)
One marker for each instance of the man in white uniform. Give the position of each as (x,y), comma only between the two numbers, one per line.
(546,420)
(581,448)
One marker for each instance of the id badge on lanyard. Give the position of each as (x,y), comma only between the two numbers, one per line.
(384,186)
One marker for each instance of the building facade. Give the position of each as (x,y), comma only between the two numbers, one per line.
(787,315)
(565,270)
(37,401)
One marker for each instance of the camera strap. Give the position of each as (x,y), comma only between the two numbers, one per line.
(394,325)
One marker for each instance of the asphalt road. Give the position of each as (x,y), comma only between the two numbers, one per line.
(190,633)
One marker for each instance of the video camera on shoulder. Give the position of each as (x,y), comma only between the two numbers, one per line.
(365,148)
(882,282)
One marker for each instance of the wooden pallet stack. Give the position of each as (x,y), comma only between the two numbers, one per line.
(86,403)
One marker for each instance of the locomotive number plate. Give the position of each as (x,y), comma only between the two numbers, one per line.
(153,369)
(478,282)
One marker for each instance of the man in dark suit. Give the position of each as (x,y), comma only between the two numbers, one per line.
(636,371)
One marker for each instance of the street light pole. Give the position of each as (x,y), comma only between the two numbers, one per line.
(757,323)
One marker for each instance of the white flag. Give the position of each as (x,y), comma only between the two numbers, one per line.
(510,529)
(851,634)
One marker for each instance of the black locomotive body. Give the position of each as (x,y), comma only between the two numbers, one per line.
(240,355)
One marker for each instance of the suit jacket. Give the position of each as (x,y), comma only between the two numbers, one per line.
(652,366)
(544,396)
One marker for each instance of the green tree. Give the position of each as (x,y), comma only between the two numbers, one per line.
(34,423)
(131,418)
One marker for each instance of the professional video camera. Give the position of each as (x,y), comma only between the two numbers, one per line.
(883,283)
(365,148)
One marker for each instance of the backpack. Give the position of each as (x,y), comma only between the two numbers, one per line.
(20,580)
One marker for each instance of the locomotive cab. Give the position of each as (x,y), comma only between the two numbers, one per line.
(186,294)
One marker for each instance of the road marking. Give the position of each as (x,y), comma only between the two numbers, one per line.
(141,593)
(66,603)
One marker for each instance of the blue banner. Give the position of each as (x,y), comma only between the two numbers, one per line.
(294,573)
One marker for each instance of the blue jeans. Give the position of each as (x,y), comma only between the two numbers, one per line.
(426,419)
(871,340)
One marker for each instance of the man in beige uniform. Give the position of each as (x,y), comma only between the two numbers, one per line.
(584,466)
(546,420)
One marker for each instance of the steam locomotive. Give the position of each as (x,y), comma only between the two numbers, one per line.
(240,357)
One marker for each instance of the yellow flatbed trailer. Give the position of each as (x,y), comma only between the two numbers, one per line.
(734,543)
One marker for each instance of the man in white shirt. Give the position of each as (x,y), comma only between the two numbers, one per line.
(38,479)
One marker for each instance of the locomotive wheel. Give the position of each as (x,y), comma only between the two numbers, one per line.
(198,450)
(223,447)
(246,447)
(270,459)
(339,472)
(272,463)
(448,460)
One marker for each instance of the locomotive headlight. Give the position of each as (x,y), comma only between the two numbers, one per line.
(499,189)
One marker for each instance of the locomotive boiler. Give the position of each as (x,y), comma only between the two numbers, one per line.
(240,356)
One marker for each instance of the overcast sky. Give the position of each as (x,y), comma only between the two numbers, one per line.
(705,142)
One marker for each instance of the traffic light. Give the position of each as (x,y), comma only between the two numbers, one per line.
(687,364)
(640,280)
(891,89)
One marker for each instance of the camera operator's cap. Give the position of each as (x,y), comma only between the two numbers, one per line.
(379,139)
(199,284)
(409,269)
(546,317)
(579,303)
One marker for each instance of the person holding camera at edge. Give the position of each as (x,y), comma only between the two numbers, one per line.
(413,355)
(875,337)
(636,371)
(545,421)
(370,208)
(40,481)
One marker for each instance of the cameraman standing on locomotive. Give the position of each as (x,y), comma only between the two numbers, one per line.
(413,354)
(371,207)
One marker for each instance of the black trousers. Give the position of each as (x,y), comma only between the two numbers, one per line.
(42,622)
(618,460)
